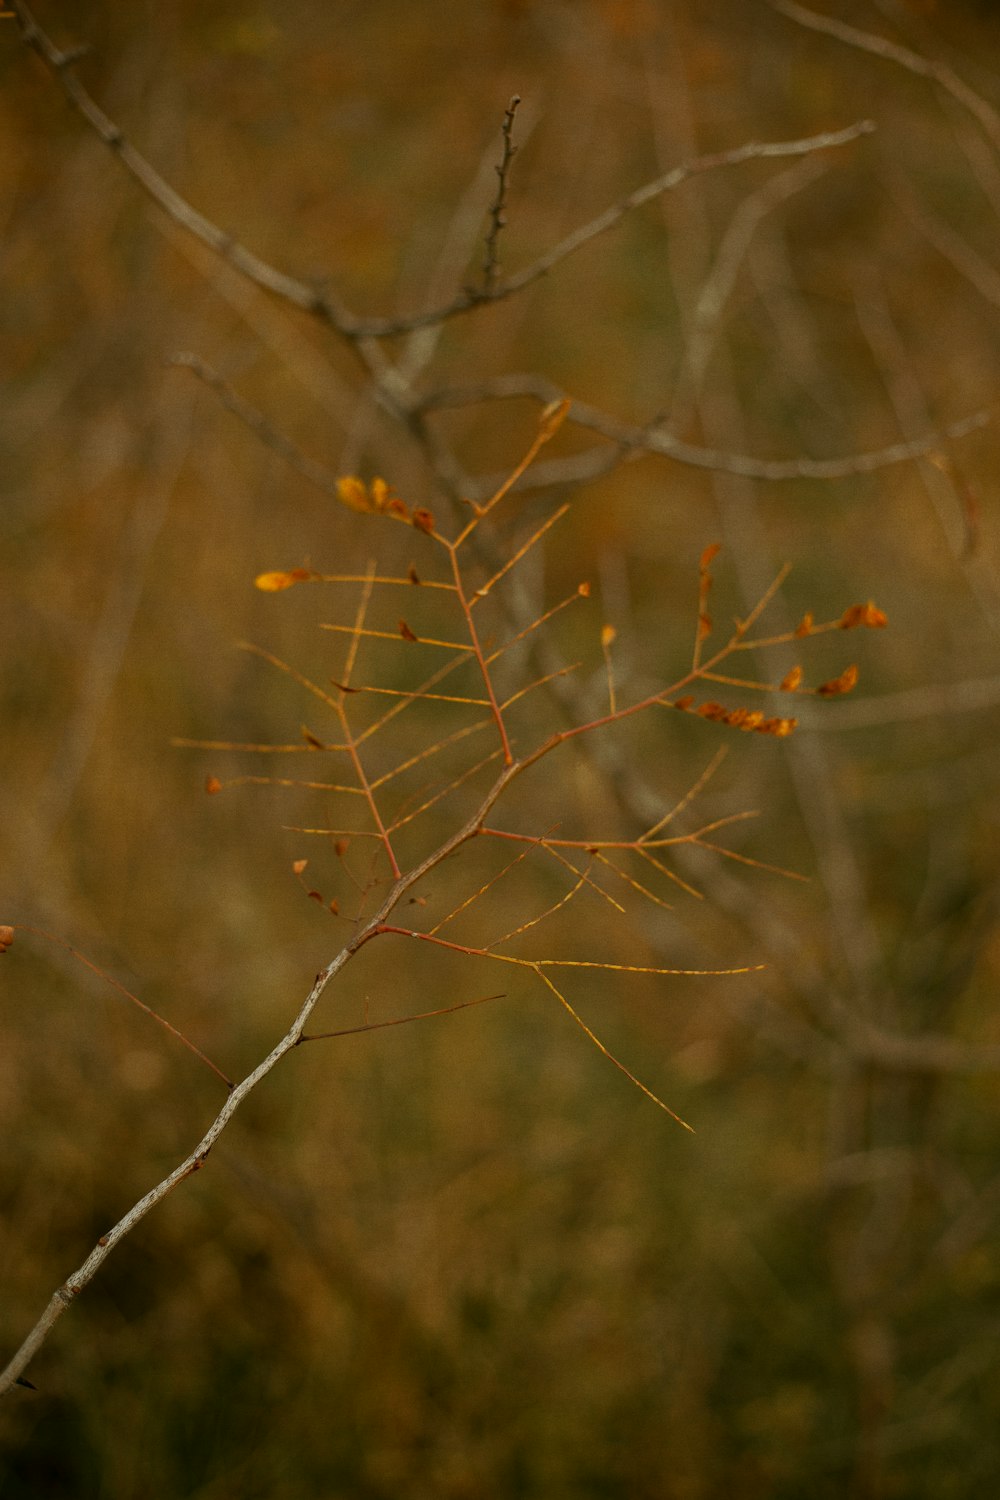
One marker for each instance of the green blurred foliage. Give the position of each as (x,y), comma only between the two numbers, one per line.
(465,1258)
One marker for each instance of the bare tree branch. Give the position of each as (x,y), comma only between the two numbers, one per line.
(319,301)
(655,439)
(880,46)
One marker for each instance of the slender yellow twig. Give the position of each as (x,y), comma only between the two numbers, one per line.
(610,1055)
(692,792)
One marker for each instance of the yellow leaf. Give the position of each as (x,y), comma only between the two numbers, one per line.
(351,491)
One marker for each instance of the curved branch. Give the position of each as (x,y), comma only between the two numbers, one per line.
(317,300)
(631,439)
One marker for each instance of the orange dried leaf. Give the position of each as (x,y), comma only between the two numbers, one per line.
(340,847)
(311,739)
(779,728)
(805,625)
(6,937)
(608,633)
(273,583)
(406,632)
(352,492)
(712,710)
(839,685)
(684,703)
(315,896)
(708,556)
(213,785)
(791,680)
(583,589)
(299,865)
(412,574)
(863,614)
(334,906)
(423,521)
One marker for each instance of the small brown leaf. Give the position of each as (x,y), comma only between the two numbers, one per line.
(340,847)
(423,521)
(805,625)
(412,574)
(684,703)
(299,865)
(6,937)
(344,687)
(583,589)
(334,906)
(315,896)
(791,680)
(406,632)
(839,685)
(311,739)
(708,556)
(712,710)
(212,785)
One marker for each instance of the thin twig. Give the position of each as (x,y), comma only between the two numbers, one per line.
(498,215)
(258,424)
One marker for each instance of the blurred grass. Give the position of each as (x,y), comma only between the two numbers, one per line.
(464,1257)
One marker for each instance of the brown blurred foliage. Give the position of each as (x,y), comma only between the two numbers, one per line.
(465,1258)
